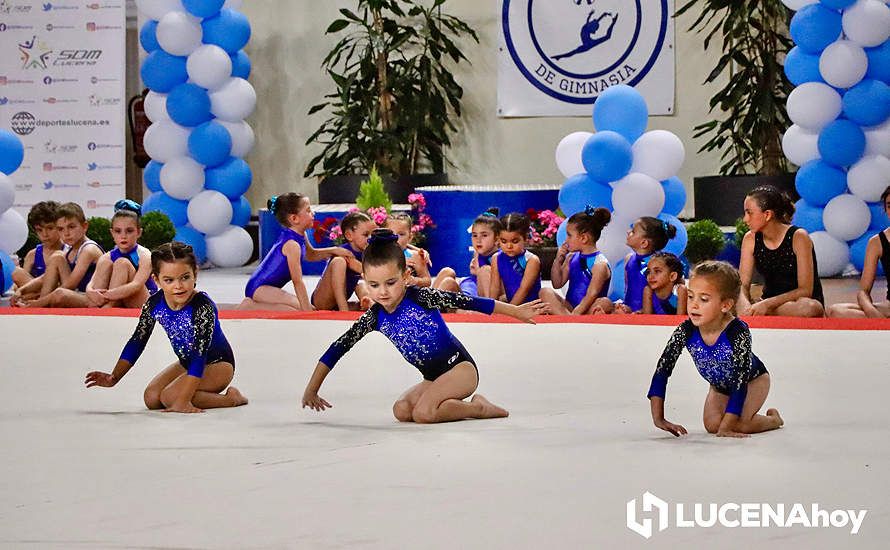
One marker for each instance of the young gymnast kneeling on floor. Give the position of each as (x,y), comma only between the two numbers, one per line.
(410,317)
(206,364)
(720,346)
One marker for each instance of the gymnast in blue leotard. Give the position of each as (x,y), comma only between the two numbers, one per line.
(283,263)
(720,346)
(484,237)
(338,282)
(42,220)
(410,317)
(515,272)
(123,275)
(665,292)
(579,263)
(205,363)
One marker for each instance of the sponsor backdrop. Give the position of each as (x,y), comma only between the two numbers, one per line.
(62,92)
(556,56)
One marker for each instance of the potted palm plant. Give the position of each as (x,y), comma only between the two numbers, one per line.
(754,39)
(395,101)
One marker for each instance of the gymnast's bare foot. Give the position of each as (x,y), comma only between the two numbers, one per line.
(236,396)
(489,409)
(774,413)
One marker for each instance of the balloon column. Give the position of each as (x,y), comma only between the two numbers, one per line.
(623,168)
(841,132)
(13,228)
(196,71)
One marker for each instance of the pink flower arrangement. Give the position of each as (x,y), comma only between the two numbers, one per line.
(422,221)
(544,225)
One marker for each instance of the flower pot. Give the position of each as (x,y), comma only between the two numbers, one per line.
(547,255)
(722,198)
(344,189)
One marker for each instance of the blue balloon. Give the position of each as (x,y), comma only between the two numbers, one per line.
(203,8)
(616,285)
(230,30)
(210,144)
(621,109)
(808,217)
(194,239)
(879,62)
(607,156)
(857,252)
(175,209)
(801,67)
(674,196)
(838,4)
(162,72)
(580,190)
(842,142)
(148,36)
(818,182)
(7,266)
(561,232)
(12,152)
(879,219)
(814,27)
(677,245)
(151,176)
(240,65)
(231,178)
(189,105)
(240,211)
(867,103)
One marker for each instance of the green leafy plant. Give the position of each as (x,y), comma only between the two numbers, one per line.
(755,40)
(100,231)
(706,240)
(371,193)
(30,243)
(396,98)
(157,229)
(741,228)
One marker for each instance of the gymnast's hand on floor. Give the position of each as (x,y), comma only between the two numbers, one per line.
(97,378)
(675,429)
(315,402)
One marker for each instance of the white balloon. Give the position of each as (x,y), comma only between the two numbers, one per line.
(636,195)
(165,140)
(843,64)
(832,255)
(156,9)
(210,212)
(13,231)
(813,105)
(231,248)
(568,153)
(179,33)
(659,154)
(846,217)
(613,240)
(242,137)
(233,4)
(156,107)
(800,146)
(182,178)
(7,193)
(867,23)
(868,178)
(209,66)
(877,139)
(233,101)
(797,4)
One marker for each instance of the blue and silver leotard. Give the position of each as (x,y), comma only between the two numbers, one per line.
(194,333)
(635,280)
(511,270)
(133,256)
(469,285)
(728,365)
(416,328)
(273,270)
(580,266)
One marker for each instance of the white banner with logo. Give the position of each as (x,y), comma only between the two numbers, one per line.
(556,56)
(62,92)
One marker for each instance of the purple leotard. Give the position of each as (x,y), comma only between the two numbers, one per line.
(580,266)
(635,280)
(273,270)
(39,267)
(668,306)
(133,256)
(82,285)
(469,285)
(511,270)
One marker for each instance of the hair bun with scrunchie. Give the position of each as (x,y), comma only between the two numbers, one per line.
(130,205)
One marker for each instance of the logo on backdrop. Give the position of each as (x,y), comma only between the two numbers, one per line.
(734,515)
(34,53)
(23,123)
(573,50)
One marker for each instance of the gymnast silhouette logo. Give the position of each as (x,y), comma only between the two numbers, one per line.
(573,50)
(34,54)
